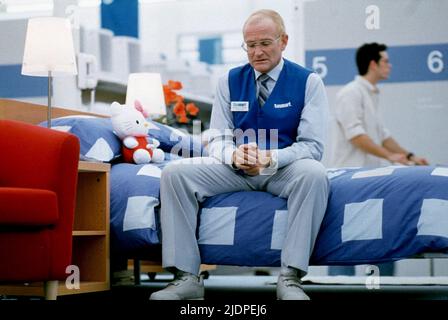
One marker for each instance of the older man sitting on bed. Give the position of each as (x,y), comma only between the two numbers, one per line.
(269,115)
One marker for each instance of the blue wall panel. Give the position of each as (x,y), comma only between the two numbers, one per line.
(120,16)
(210,50)
(409,63)
(13,84)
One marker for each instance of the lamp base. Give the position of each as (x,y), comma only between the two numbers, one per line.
(50,83)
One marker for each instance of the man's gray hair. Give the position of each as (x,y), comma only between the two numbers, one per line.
(267,13)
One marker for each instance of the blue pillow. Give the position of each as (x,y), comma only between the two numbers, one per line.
(99,142)
(97,139)
(177,142)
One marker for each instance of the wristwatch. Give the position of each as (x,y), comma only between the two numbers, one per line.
(409,155)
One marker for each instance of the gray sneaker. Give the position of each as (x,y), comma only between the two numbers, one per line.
(289,288)
(185,286)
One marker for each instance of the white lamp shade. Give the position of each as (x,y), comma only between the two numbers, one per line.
(146,88)
(49,47)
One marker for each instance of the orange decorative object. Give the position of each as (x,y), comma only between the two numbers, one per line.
(175,85)
(179,109)
(183,113)
(182,119)
(192,109)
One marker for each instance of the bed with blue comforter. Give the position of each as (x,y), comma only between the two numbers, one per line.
(373,214)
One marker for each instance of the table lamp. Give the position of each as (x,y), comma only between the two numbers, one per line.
(148,89)
(49,51)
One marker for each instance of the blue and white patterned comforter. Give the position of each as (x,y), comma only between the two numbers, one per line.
(373,215)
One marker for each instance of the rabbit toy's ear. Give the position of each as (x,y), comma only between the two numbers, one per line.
(139,107)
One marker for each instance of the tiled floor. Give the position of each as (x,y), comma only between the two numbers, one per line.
(249,287)
(220,288)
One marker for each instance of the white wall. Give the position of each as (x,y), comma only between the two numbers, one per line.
(162,22)
(89,17)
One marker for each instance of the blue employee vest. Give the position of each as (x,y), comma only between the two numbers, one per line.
(281,111)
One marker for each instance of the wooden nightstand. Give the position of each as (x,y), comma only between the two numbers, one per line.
(91,229)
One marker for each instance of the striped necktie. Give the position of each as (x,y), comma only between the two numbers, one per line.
(263,93)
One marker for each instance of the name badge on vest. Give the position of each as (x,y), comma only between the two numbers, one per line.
(282,105)
(239,106)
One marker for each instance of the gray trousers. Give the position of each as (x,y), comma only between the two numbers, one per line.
(186,182)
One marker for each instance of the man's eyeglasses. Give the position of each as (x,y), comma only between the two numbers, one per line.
(264,44)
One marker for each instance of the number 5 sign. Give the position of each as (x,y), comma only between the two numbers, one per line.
(319,66)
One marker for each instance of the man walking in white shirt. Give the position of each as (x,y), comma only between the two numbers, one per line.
(361,138)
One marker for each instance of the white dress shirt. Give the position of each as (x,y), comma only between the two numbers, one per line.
(356,113)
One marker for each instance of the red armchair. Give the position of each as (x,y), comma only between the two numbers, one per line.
(38,177)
